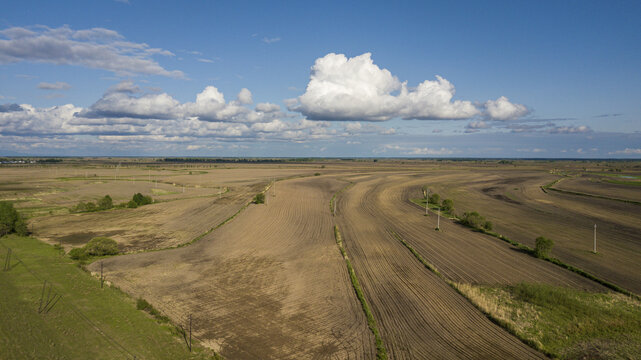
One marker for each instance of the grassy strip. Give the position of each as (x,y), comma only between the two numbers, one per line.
(432,207)
(562,322)
(88,322)
(332,202)
(555,261)
(560,263)
(455,286)
(595,196)
(381,353)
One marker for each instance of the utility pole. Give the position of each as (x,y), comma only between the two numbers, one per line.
(190,332)
(7,262)
(594,251)
(426,206)
(438,220)
(102,278)
(274,185)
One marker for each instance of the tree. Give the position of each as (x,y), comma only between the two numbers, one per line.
(141,200)
(259,198)
(105,203)
(10,220)
(434,199)
(447,205)
(543,247)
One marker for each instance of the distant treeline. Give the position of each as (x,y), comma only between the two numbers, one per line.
(234,160)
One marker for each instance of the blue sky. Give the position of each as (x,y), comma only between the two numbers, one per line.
(206,78)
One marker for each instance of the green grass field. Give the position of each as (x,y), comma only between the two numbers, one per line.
(86,323)
(566,323)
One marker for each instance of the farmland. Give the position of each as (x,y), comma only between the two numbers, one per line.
(270,281)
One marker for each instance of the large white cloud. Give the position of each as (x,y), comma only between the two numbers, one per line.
(95,48)
(346,89)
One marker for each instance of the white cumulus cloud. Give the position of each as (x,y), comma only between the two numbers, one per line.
(503,109)
(349,89)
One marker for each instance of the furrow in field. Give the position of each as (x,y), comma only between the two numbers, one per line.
(268,285)
(419,315)
(459,253)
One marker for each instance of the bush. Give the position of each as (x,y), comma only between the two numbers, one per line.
(11,221)
(141,200)
(98,246)
(105,203)
(543,246)
(101,246)
(142,304)
(476,221)
(434,199)
(259,198)
(132,204)
(78,254)
(447,205)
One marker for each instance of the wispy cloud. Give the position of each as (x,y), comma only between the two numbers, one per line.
(272,40)
(97,48)
(58,85)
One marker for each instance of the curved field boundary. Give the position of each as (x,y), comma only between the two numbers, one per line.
(381,353)
(549,187)
(554,261)
(454,286)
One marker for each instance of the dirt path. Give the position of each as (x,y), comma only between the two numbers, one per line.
(269,285)
(419,315)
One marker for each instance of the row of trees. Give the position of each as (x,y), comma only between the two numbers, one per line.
(446,205)
(473,219)
(103,204)
(106,203)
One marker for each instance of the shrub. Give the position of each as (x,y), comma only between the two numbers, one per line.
(476,221)
(434,199)
(142,304)
(10,220)
(259,198)
(141,200)
(132,204)
(100,246)
(543,246)
(105,203)
(78,254)
(317,174)
(447,205)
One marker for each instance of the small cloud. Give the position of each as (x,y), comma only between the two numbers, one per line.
(436,131)
(58,85)
(203,60)
(570,130)
(25,76)
(267,40)
(194,147)
(54,96)
(123,1)
(607,115)
(627,151)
